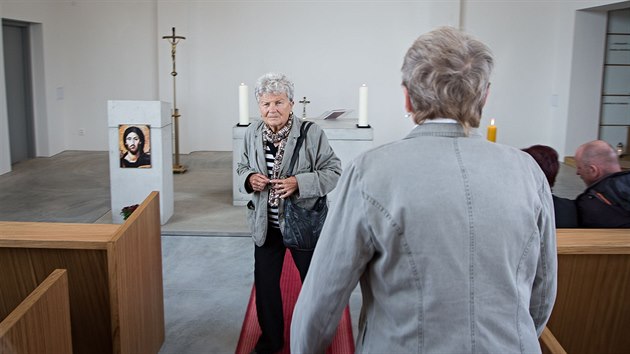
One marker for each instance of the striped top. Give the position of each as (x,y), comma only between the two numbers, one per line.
(270,156)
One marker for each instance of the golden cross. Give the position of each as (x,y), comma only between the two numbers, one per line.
(173,40)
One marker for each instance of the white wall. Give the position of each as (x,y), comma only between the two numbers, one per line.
(40,110)
(119,65)
(547,83)
(329,49)
(522,38)
(5,153)
(94,51)
(586,78)
(587,58)
(97,51)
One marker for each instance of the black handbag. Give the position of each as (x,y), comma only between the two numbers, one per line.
(302,226)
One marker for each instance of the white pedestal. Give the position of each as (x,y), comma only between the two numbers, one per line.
(131,186)
(345,138)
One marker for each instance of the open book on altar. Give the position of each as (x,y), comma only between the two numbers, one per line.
(335,113)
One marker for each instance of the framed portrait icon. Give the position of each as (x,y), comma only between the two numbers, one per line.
(134,143)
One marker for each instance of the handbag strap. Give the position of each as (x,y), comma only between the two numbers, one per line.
(303,130)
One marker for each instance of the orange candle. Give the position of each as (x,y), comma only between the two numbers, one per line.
(492,132)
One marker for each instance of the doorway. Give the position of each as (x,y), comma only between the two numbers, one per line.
(614,124)
(17,70)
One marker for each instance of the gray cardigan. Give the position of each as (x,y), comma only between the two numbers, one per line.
(453,241)
(317,172)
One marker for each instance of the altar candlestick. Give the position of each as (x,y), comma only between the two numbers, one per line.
(363,106)
(243,105)
(492,132)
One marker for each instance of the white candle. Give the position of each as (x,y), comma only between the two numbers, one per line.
(243,105)
(363,106)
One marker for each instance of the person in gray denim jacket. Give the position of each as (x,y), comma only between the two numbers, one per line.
(263,172)
(451,236)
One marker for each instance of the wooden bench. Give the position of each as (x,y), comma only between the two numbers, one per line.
(114,277)
(592,309)
(41,323)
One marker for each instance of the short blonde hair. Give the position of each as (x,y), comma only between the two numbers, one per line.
(447,75)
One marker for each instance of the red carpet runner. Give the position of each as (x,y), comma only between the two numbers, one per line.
(290,285)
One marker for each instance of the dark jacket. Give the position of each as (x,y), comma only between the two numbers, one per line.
(566,212)
(606,203)
(143,161)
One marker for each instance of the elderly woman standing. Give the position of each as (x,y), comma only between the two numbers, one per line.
(452,236)
(262,171)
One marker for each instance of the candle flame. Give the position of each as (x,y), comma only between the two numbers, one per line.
(242,84)
(491,121)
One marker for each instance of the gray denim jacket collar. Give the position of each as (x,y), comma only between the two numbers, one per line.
(447,130)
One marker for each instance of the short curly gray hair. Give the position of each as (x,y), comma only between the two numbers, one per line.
(273,83)
(447,75)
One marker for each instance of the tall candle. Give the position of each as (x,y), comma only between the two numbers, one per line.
(243,105)
(363,106)
(492,132)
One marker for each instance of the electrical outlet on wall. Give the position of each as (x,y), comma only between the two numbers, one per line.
(60,93)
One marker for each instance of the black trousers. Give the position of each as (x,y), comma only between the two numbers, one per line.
(268,261)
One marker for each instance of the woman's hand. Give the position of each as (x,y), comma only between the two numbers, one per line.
(285,187)
(258,181)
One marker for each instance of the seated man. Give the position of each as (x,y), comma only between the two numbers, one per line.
(606,201)
(547,159)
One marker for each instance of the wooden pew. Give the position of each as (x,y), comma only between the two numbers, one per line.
(41,323)
(592,309)
(549,344)
(114,277)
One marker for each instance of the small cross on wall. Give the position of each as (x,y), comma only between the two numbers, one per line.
(304,102)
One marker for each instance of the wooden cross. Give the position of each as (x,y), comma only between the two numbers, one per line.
(304,102)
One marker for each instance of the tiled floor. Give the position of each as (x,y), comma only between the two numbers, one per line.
(207,253)
(207,282)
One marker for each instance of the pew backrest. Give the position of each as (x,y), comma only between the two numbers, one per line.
(592,310)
